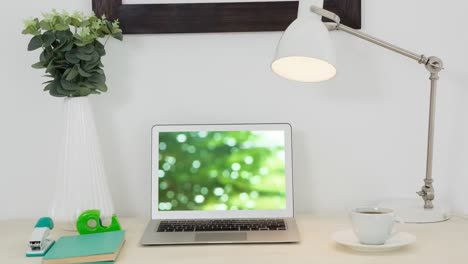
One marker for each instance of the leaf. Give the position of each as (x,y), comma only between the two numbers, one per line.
(85,23)
(75,22)
(98,45)
(64,35)
(97,78)
(28,30)
(66,47)
(35,43)
(56,90)
(46,56)
(69,86)
(83,56)
(61,27)
(82,72)
(109,26)
(88,49)
(102,87)
(101,51)
(116,29)
(84,91)
(118,36)
(99,71)
(45,25)
(72,73)
(62,92)
(48,38)
(50,86)
(38,65)
(51,66)
(71,57)
(90,66)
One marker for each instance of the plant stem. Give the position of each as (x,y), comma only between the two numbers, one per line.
(108,37)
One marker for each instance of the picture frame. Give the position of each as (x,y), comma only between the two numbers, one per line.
(215,17)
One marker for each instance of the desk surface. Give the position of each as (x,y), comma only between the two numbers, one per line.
(441,243)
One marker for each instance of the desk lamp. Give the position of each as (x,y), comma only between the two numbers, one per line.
(305,53)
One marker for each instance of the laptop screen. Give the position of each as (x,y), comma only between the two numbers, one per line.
(221,170)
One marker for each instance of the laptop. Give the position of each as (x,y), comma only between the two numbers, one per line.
(228,183)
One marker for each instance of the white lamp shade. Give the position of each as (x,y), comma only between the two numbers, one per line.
(305,51)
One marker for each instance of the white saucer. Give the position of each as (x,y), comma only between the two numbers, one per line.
(349,239)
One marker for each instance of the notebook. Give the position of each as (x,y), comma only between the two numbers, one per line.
(97,247)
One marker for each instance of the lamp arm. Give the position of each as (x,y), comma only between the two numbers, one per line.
(336,25)
(417,57)
(433,64)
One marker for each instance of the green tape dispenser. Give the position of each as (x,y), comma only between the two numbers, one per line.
(89,222)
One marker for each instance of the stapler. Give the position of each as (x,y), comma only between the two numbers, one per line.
(39,242)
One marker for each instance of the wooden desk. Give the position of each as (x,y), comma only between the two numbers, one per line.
(441,243)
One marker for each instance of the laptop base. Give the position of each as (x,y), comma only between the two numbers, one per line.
(151,237)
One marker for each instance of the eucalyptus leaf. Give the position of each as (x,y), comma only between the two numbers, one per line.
(65,35)
(72,73)
(49,86)
(75,22)
(88,49)
(118,35)
(45,25)
(90,66)
(99,71)
(85,23)
(29,30)
(35,43)
(84,91)
(48,38)
(69,86)
(101,51)
(38,65)
(54,90)
(50,67)
(67,47)
(102,87)
(82,72)
(83,56)
(45,57)
(71,57)
(61,90)
(61,27)
(97,78)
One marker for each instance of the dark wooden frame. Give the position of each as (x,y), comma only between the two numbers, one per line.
(216,17)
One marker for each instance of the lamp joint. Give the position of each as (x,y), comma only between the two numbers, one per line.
(434,65)
(427,193)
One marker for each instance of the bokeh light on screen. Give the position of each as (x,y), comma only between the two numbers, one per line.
(222,170)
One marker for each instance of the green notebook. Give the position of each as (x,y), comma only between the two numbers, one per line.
(97,247)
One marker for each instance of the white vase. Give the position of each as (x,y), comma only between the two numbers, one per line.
(81,181)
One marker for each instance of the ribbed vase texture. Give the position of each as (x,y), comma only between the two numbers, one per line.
(81,181)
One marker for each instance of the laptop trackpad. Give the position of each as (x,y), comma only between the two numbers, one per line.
(221,236)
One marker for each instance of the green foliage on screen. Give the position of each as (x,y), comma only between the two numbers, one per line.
(222,170)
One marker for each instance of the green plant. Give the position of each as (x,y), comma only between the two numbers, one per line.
(71,53)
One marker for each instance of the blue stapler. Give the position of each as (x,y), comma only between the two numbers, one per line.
(39,243)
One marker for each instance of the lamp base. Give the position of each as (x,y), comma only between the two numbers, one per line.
(412,211)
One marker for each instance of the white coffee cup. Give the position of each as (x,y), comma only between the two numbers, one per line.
(373,225)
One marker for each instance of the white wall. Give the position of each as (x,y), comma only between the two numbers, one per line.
(357,139)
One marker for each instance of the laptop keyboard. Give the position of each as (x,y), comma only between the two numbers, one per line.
(221,225)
